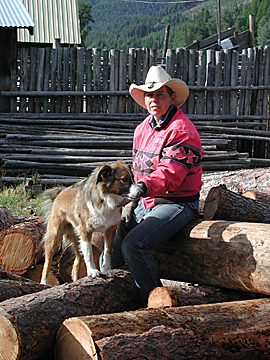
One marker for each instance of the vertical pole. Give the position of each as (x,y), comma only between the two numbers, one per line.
(218,23)
(166,41)
(251,31)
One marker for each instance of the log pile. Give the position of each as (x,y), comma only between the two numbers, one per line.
(214,300)
(72,145)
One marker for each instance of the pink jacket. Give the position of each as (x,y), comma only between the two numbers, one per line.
(168,160)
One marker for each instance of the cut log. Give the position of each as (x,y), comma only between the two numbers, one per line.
(14,288)
(6,219)
(34,274)
(67,258)
(232,330)
(4,275)
(175,293)
(33,320)
(237,181)
(226,254)
(257,195)
(224,204)
(20,245)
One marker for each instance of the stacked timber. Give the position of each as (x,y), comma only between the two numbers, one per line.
(73,144)
(214,302)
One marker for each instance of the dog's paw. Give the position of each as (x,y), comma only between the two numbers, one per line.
(93,273)
(108,273)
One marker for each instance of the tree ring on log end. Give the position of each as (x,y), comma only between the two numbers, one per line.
(75,336)
(17,250)
(9,342)
(211,203)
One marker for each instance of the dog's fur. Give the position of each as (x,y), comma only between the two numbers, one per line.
(93,204)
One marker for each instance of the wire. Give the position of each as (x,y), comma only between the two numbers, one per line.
(163,2)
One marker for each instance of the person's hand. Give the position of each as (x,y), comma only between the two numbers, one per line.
(143,188)
(126,218)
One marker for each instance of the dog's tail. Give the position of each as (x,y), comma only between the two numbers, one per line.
(48,197)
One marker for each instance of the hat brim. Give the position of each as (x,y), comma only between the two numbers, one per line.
(178,86)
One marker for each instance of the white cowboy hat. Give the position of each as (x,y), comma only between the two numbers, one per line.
(155,79)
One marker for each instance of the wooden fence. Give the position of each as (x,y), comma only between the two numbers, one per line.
(75,98)
(77,80)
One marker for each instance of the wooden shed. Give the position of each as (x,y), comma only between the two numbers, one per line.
(13,15)
(57,23)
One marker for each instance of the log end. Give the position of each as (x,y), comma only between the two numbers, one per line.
(17,250)
(160,296)
(9,342)
(211,203)
(249,194)
(74,341)
(35,275)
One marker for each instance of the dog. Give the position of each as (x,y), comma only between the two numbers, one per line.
(93,204)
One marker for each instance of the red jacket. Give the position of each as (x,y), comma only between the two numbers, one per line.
(168,160)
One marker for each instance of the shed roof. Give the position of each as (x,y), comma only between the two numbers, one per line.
(54,19)
(14,14)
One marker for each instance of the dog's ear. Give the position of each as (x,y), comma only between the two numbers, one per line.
(105,174)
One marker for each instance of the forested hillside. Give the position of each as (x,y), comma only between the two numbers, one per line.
(122,24)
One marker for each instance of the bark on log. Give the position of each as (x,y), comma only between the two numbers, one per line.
(67,258)
(20,245)
(14,288)
(175,293)
(233,330)
(4,275)
(29,323)
(237,181)
(223,204)
(226,254)
(6,219)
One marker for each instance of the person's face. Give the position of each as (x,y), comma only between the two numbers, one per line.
(158,102)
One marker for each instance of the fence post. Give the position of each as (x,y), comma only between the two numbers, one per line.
(201,75)
(105,70)
(122,80)
(191,80)
(218,80)
(97,78)
(210,72)
(170,62)
(131,73)
(80,78)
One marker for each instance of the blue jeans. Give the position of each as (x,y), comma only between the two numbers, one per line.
(148,229)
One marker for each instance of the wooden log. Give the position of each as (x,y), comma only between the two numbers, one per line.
(257,195)
(233,330)
(237,181)
(67,258)
(14,288)
(227,254)
(29,323)
(224,204)
(20,245)
(175,293)
(6,219)
(34,274)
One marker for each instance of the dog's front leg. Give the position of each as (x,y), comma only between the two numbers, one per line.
(105,265)
(86,249)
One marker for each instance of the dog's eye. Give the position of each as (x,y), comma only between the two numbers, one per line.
(125,180)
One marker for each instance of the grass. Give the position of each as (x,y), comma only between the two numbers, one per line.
(18,202)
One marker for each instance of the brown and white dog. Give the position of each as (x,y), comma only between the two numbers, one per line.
(93,204)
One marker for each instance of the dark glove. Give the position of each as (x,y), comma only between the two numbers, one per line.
(126,218)
(143,187)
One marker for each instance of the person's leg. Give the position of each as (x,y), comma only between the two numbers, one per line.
(163,222)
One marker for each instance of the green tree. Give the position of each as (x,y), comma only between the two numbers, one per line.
(85,18)
(263,33)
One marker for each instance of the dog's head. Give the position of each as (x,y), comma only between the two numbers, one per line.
(117,179)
